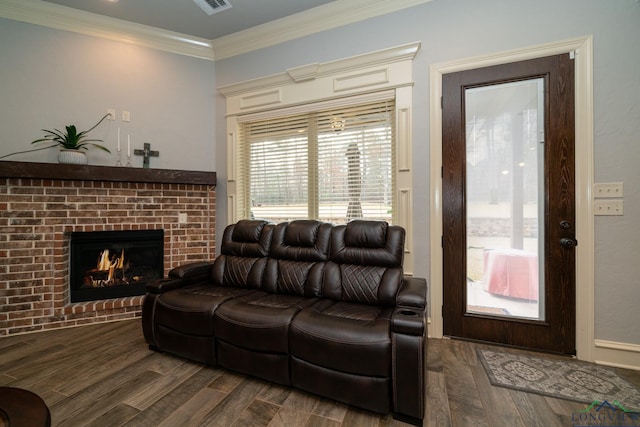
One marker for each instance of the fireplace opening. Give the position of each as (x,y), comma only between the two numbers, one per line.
(114,264)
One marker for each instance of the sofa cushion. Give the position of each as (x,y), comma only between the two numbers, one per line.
(345,337)
(260,321)
(367,243)
(365,263)
(190,309)
(239,272)
(242,259)
(296,264)
(301,240)
(366,234)
(361,284)
(247,238)
(293,277)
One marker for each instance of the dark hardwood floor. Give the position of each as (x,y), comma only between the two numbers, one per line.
(104,375)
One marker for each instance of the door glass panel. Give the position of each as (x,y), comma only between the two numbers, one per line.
(505,199)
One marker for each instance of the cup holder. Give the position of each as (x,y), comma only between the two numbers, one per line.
(409,313)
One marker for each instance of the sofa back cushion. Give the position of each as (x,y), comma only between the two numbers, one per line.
(365,263)
(299,250)
(243,252)
(247,238)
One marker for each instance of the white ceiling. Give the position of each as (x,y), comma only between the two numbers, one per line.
(186,17)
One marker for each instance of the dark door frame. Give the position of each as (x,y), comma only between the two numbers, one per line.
(556,331)
(585,305)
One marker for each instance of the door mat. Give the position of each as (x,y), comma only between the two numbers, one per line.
(561,378)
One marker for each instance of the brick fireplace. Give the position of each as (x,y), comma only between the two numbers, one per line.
(42,204)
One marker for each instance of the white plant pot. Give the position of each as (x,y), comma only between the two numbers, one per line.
(72,157)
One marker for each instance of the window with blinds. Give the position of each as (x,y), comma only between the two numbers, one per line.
(334,165)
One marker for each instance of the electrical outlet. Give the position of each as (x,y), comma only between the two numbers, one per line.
(126,116)
(607,190)
(182,218)
(608,207)
(112,113)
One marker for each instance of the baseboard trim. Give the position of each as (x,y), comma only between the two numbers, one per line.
(617,354)
(607,353)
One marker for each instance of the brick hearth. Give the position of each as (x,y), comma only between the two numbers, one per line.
(37,215)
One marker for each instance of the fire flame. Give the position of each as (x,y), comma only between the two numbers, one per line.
(105,263)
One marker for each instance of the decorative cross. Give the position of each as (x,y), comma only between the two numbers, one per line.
(146,153)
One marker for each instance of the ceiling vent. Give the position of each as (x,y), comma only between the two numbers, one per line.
(213,6)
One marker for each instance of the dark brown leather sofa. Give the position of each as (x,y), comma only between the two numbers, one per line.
(319,307)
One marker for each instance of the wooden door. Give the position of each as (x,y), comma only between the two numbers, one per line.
(508,204)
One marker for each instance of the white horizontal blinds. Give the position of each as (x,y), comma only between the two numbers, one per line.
(333,165)
(278,163)
(355,162)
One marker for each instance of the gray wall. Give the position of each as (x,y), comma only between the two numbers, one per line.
(51,78)
(457,29)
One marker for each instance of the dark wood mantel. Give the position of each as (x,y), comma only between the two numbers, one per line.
(103,173)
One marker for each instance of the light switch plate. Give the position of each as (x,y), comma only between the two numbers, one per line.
(607,190)
(608,207)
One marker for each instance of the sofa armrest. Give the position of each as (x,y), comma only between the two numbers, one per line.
(408,321)
(163,285)
(182,276)
(409,317)
(412,293)
(191,270)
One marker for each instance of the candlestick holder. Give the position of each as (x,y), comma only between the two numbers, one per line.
(129,165)
(119,163)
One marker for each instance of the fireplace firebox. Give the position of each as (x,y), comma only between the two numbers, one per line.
(114,264)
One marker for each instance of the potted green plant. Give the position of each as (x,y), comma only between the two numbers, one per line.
(72,142)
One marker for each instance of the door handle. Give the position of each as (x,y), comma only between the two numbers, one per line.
(568,242)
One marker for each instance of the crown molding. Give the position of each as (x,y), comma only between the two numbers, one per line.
(66,18)
(319,70)
(321,18)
